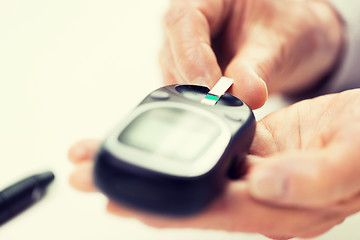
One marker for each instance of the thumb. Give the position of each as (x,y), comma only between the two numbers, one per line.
(251,69)
(305,179)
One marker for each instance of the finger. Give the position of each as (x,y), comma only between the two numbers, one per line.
(261,63)
(314,178)
(118,210)
(188,26)
(82,178)
(248,85)
(341,211)
(319,231)
(83,150)
(170,73)
(237,211)
(167,76)
(348,207)
(259,55)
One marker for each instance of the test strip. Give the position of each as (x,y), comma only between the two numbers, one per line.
(213,96)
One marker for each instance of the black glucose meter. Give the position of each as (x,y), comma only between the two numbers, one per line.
(173,154)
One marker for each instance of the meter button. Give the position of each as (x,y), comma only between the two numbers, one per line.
(238,117)
(160,95)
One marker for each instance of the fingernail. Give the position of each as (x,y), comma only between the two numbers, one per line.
(265,87)
(267,185)
(201,82)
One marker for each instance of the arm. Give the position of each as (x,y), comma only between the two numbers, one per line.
(347,76)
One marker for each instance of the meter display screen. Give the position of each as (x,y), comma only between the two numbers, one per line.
(173,133)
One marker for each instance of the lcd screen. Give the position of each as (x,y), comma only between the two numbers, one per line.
(171,132)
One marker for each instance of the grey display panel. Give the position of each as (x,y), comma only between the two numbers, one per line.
(173,133)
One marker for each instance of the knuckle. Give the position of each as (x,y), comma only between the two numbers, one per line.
(175,14)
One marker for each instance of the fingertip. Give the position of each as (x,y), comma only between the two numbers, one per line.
(266,183)
(83,150)
(255,93)
(248,86)
(292,179)
(82,178)
(115,209)
(148,219)
(274,179)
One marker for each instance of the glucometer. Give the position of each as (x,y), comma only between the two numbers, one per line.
(174,154)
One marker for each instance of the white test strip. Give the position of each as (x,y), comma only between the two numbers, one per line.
(213,96)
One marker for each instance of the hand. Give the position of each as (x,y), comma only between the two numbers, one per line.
(303,177)
(286,44)
(311,154)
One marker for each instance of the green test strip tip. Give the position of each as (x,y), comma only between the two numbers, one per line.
(212,97)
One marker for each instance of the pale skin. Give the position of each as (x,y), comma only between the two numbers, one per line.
(304,159)
(309,144)
(264,45)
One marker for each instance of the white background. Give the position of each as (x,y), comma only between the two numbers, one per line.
(71,70)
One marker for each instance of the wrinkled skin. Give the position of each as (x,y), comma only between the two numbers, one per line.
(286,44)
(303,177)
(312,145)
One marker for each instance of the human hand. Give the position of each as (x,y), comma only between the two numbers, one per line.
(283,46)
(312,146)
(311,157)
